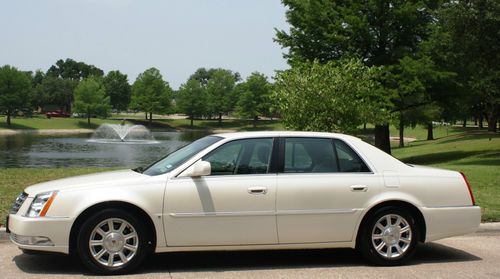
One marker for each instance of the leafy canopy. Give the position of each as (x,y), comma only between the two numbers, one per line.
(90,98)
(191,98)
(220,92)
(118,89)
(150,93)
(71,69)
(254,96)
(15,90)
(329,97)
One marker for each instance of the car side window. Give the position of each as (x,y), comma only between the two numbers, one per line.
(309,155)
(249,156)
(349,161)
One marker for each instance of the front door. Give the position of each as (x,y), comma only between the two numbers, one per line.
(234,205)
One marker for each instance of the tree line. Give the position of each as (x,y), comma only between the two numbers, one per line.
(421,61)
(86,91)
(382,62)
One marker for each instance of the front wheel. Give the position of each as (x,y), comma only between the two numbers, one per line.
(389,237)
(112,242)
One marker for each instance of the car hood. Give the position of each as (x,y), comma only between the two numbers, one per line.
(103,179)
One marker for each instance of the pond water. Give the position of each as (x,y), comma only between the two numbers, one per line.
(36,151)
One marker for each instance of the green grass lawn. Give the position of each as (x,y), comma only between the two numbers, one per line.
(229,124)
(477,154)
(41,122)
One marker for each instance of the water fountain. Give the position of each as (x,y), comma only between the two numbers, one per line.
(123,133)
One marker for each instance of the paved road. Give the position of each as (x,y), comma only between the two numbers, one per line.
(471,256)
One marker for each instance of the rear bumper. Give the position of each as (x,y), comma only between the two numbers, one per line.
(442,222)
(55,229)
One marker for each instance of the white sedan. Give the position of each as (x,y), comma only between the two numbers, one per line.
(242,191)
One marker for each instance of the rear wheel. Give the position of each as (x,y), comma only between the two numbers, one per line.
(389,237)
(112,242)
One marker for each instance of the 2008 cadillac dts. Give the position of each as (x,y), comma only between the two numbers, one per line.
(256,190)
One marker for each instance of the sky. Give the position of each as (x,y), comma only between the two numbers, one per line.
(177,37)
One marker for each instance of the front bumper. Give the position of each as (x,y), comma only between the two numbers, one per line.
(442,222)
(56,229)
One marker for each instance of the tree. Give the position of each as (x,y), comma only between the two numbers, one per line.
(15,91)
(55,91)
(220,88)
(254,97)
(415,85)
(191,99)
(71,69)
(379,32)
(91,99)
(203,75)
(474,52)
(37,100)
(328,97)
(118,89)
(151,94)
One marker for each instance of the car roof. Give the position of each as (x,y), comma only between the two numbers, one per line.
(257,134)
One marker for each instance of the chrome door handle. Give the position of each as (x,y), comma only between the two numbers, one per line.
(359,188)
(257,190)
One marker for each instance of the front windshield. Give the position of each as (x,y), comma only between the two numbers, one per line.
(176,158)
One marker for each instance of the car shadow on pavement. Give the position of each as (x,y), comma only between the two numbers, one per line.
(438,253)
(242,260)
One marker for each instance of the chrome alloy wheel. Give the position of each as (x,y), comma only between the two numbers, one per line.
(113,242)
(391,236)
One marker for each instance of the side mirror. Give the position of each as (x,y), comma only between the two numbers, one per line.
(200,168)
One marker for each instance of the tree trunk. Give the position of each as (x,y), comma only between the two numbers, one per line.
(492,123)
(191,118)
(382,138)
(430,134)
(8,117)
(255,119)
(401,132)
(465,122)
(220,118)
(150,119)
(364,128)
(480,121)
(146,113)
(88,118)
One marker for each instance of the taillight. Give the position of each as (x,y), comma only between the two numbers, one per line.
(468,187)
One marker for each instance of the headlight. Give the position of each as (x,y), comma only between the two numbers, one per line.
(41,204)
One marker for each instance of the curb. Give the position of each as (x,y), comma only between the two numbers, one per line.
(4,236)
(483,228)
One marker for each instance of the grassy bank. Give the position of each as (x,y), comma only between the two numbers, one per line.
(473,153)
(41,122)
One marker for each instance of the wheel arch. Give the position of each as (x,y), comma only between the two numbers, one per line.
(419,217)
(129,207)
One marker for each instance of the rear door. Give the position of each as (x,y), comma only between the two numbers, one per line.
(322,187)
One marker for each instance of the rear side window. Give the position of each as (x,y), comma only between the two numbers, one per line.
(349,161)
(308,155)
(320,155)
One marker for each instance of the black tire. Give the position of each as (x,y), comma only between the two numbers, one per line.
(86,231)
(367,247)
